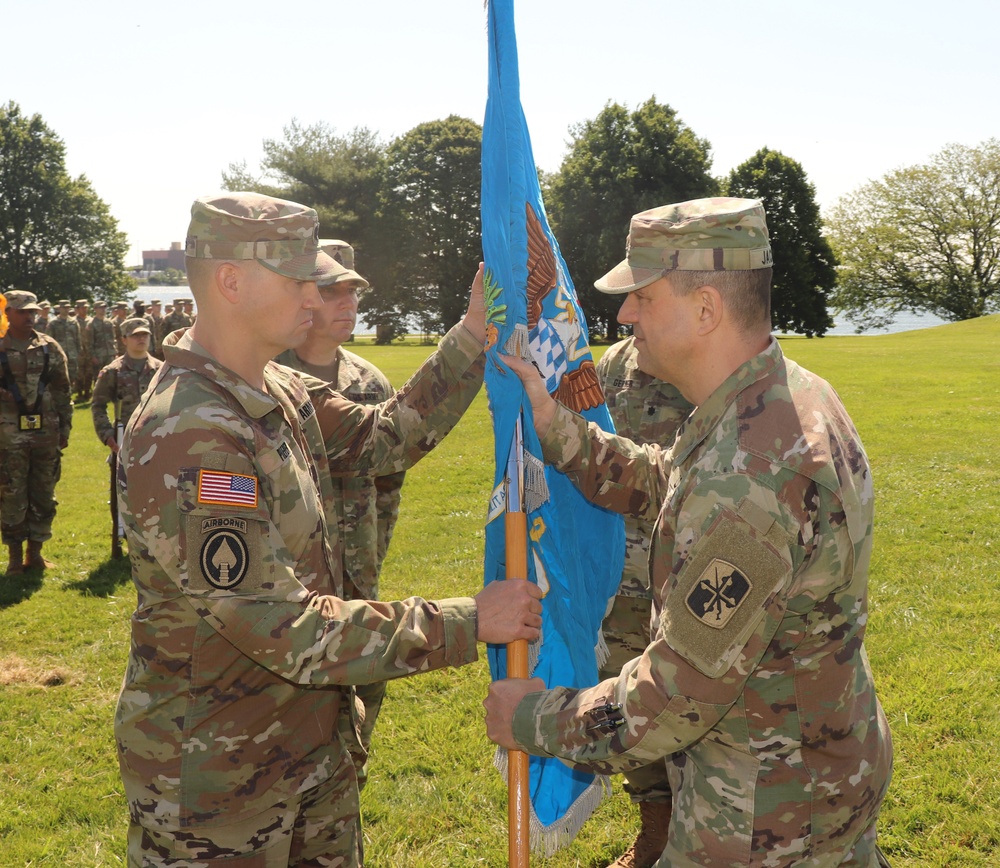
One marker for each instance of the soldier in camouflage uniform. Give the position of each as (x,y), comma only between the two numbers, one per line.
(646,410)
(366,507)
(85,369)
(119,314)
(101,337)
(236,725)
(123,382)
(755,691)
(42,317)
(173,321)
(155,317)
(36,415)
(65,330)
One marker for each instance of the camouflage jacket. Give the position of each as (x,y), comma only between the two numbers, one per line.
(241,637)
(83,324)
(757,680)
(26,366)
(646,410)
(102,340)
(366,507)
(124,380)
(170,323)
(66,331)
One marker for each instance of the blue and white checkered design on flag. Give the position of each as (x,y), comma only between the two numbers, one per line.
(575,550)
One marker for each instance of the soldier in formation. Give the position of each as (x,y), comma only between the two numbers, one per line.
(754,693)
(65,330)
(101,337)
(173,321)
(85,370)
(121,383)
(36,415)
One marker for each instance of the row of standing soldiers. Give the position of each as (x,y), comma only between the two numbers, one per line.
(91,342)
(44,361)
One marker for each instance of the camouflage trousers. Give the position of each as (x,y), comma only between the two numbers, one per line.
(626,633)
(320,828)
(30,467)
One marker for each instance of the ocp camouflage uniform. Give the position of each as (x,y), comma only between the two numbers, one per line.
(174,320)
(85,367)
(66,331)
(367,509)
(103,346)
(31,461)
(756,691)
(646,410)
(234,711)
(121,384)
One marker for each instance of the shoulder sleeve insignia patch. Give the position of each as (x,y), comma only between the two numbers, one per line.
(228,489)
(718,593)
(225,559)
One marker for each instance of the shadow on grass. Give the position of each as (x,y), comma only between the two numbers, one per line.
(18,588)
(105,579)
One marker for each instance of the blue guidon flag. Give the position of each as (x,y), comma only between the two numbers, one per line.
(575,550)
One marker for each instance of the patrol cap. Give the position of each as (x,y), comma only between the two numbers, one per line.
(134,325)
(156,301)
(44,305)
(716,234)
(63,302)
(19,299)
(281,235)
(343,253)
(121,305)
(100,304)
(81,301)
(178,301)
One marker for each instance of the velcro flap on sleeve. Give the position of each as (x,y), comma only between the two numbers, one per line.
(722,591)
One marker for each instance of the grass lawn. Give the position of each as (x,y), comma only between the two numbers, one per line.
(927,405)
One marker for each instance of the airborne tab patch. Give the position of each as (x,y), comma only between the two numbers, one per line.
(718,593)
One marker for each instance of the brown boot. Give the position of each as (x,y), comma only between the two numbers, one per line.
(15,565)
(34,559)
(651,840)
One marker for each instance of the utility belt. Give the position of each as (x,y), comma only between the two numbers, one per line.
(27,420)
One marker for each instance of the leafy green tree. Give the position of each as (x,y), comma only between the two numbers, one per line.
(430,204)
(804,265)
(57,237)
(620,163)
(342,177)
(924,238)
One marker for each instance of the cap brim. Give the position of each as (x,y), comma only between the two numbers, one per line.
(319,267)
(26,307)
(346,276)
(626,278)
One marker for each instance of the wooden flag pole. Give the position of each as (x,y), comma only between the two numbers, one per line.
(516,532)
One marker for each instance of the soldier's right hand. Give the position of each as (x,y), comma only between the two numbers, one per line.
(509,610)
(543,405)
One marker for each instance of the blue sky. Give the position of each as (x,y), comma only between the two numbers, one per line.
(153,101)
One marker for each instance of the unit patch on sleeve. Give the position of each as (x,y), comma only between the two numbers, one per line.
(225,558)
(718,593)
(227,489)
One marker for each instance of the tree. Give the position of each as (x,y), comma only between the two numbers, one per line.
(924,238)
(620,163)
(57,237)
(342,177)
(430,204)
(804,264)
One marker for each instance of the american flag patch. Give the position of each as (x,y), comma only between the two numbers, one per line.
(230,489)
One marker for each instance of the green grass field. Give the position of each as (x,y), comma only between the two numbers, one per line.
(927,405)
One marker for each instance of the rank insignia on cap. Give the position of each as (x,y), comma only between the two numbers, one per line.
(228,489)
(718,593)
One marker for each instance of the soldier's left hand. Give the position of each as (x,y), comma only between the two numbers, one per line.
(63,442)
(501,703)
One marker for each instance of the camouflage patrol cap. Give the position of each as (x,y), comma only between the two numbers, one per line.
(44,305)
(100,304)
(156,301)
(134,325)
(343,253)
(282,236)
(178,301)
(19,299)
(81,301)
(121,305)
(63,302)
(716,234)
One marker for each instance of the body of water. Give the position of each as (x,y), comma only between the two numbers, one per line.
(904,322)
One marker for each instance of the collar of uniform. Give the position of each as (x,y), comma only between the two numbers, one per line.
(348,372)
(707,416)
(181,351)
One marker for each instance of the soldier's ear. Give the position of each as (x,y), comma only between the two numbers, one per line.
(227,281)
(710,306)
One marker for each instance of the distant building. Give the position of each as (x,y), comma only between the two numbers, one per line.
(161,260)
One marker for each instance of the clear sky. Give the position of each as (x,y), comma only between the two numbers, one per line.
(155,100)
